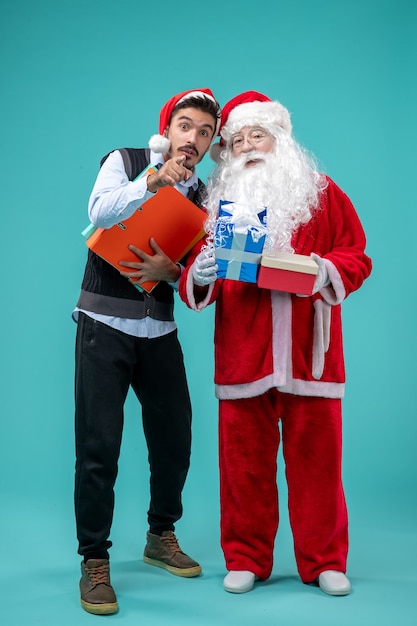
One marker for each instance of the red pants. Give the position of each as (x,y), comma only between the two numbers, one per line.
(249,437)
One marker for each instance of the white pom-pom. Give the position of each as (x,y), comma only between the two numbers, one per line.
(159,144)
(215,152)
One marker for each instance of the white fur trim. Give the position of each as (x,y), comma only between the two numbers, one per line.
(196,306)
(321,340)
(296,387)
(254,114)
(196,94)
(281,305)
(159,144)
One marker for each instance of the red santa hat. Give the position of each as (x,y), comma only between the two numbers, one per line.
(160,143)
(250,108)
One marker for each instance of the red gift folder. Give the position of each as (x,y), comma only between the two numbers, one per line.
(284,271)
(170,218)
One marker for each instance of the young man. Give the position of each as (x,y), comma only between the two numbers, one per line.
(278,355)
(125,338)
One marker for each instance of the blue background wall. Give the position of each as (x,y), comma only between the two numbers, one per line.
(81,78)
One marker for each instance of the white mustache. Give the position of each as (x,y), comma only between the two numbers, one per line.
(241,161)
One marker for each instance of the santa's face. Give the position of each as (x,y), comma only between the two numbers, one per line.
(190,133)
(251,139)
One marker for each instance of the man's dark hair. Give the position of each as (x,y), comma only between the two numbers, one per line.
(203,104)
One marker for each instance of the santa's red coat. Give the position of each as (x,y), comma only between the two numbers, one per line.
(266,339)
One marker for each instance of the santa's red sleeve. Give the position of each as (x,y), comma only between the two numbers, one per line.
(344,251)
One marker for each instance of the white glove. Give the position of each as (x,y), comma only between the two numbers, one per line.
(322,278)
(204,267)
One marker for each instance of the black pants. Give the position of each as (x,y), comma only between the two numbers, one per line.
(107,363)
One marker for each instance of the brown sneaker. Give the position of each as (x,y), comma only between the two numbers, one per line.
(97,595)
(165,552)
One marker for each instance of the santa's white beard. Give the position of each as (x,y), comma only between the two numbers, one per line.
(284,181)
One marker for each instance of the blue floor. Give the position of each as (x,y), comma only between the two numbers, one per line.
(39,578)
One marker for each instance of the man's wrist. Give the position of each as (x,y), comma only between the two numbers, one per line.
(174,282)
(176,273)
(152,182)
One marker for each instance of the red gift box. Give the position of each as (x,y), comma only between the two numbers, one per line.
(284,271)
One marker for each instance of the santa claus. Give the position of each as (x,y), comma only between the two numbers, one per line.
(279,366)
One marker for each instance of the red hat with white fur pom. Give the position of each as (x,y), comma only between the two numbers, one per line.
(250,108)
(160,143)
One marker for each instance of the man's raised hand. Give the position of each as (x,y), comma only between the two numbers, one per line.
(173,171)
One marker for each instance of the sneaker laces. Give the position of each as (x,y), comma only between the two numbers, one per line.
(98,575)
(172,542)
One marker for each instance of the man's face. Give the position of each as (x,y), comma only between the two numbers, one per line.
(190,133)
(251,139)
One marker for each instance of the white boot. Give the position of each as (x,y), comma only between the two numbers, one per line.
(239,581)
(334,583)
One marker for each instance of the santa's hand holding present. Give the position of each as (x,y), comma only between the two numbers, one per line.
(204,267)
(322,278)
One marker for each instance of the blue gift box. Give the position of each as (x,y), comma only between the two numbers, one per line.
(238,247)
